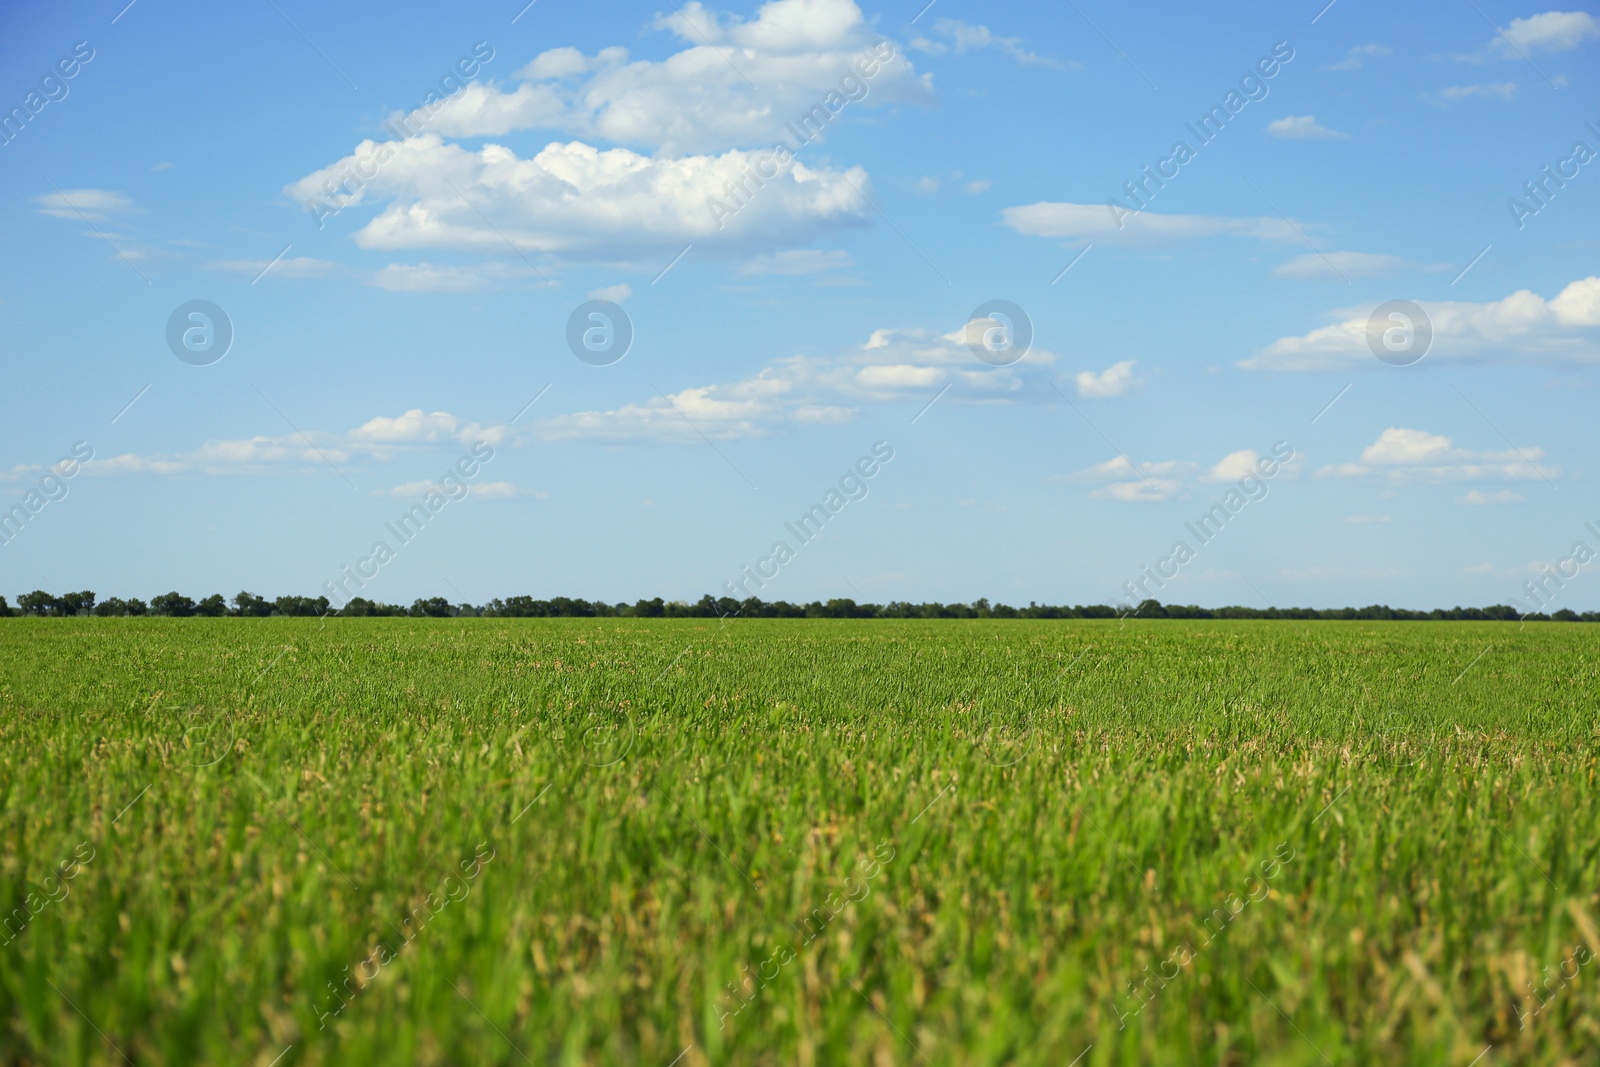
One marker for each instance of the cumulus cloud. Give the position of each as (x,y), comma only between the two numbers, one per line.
(1143,483)
(1484,91)
(484,490)
(1303,128)
(1341,265)
(381,438)
(574,198)
(1522,328)
(735,85)
(614,293)
(1479,497)
(96,205)
(1097,223)
(694,156)
(797,261)
(894,365)
(955,36)
(1357,56)
(414,427)
(446,278)
(288,267)
(1233,466)
(1115,380)
(1552,31)
(1152,481)
(1403,455)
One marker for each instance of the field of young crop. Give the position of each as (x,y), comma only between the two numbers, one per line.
(674,842)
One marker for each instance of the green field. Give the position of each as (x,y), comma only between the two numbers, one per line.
(652,842)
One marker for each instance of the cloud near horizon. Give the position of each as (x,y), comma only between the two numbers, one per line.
(1521,328)
(1097,223)
(894,365)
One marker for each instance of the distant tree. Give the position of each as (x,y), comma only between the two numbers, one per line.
(137,606)
(212,606)
(37,602)
(174,603)
(434,608)
(1150,609)
(77,603)
(649,609)
(5,609)
(111,606)
(301,606)
(357,607)
(251,605)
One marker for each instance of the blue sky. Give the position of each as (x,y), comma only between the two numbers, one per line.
(399,271)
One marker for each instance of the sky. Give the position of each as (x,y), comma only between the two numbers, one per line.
(607,298)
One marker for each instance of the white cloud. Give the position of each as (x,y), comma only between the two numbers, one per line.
(925,186)
(507,491)
(797,261)
(614,293)
(1339,265)
(94,204)
(976,186)
(484,490)
(1358,55)
(1486,91)
(1522,328)
(381,438)
(437,278)
(1097,223)
(962,37)
(1553,31)
(894,365)
(1302,128)
(1143,483)
(1504,496)
(735,85)
(1403,455)
(414,427)
(289,267)
(1233,466)
(1116,380)
(574,198)
(1406,446)
(1478,568)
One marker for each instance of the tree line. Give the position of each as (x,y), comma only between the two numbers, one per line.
(249,605)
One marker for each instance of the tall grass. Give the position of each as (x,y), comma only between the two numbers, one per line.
(649,841)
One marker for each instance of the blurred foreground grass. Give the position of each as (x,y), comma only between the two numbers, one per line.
(653,842)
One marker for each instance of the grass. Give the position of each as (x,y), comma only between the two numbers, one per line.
(674,842)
